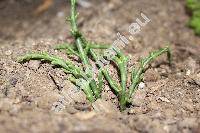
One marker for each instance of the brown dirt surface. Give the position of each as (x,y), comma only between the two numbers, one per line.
(36,97)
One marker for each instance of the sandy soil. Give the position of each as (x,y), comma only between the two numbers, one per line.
(36,97)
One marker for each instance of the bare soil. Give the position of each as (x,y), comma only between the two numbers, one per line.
(36,97)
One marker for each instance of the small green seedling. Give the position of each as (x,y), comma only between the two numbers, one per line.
(121,60)
(83,76)
(194,22)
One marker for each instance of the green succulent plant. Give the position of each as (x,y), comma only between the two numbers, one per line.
(83,76)
(194,8)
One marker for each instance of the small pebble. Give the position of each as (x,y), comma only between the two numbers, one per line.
(34,64)
(188,72)
(13,81)
(131,111)
(60,14)
(8,52)
(85,115)
(164,99)
(141,85)
(84,3)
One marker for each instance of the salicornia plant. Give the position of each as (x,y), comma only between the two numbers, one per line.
(83,76)
(194,7)
(121,60)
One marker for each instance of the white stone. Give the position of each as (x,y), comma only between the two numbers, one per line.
(8,52)
(141,85)
(164,99)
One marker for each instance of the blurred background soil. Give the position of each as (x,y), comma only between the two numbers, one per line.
(36,97)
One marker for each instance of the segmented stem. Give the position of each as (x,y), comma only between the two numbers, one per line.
(66,65)
(84,77)
(121,60)
(112,82)
(77,35)
(137,74)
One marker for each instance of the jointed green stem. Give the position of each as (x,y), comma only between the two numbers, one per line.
(70,49)
(90,45)
(100,80)
(83,77)
(77,35)
(85,86)
(112,82)
(137,74)
(67,65)
(73,18)
(82,54)
(121,62)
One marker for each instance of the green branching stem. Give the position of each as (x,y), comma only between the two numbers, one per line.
(137,74)
(79,41)
(100,80)
(113,83)
(121,61)
(71,48)
(85,86)
(66,65)
(77,35)
(83,77)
